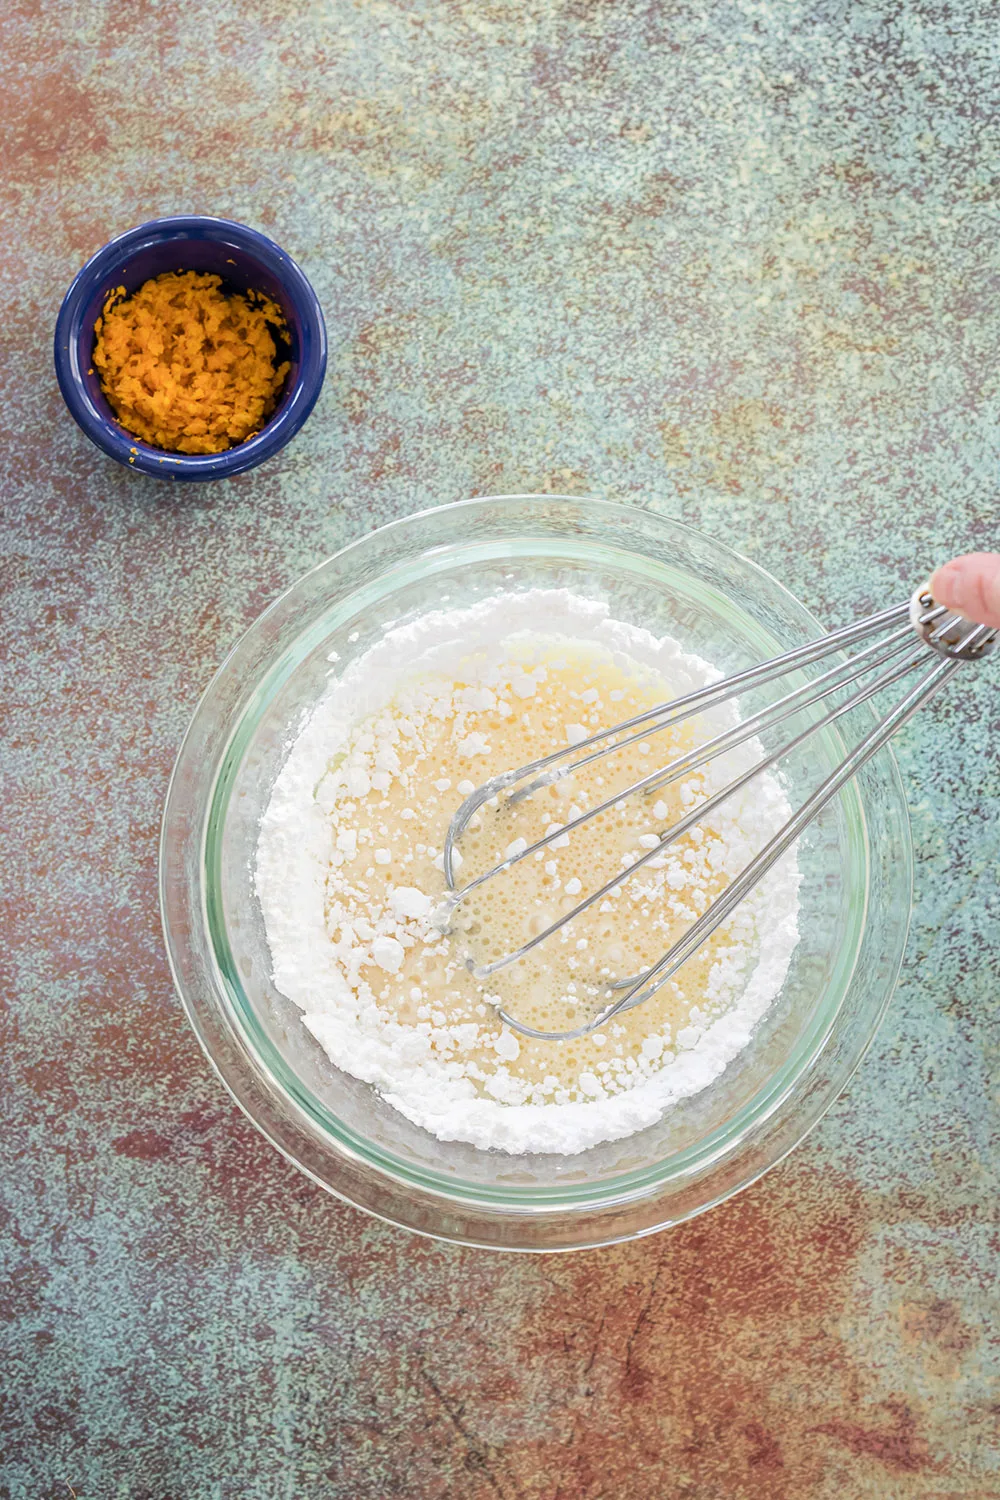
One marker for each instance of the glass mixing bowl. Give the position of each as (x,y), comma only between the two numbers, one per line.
(855,862)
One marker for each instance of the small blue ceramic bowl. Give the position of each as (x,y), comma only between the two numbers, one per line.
(245,260)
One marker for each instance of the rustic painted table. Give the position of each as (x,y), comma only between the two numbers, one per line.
(737,262)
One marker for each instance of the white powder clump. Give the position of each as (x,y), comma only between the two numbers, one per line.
(473,744)
(388,954)
(327,946)
(507,1046)
(406,901)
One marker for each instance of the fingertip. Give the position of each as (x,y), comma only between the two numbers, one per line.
(970,585)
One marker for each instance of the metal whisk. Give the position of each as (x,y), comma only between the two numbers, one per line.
(887,649)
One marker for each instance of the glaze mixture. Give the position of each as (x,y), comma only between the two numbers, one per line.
(350,877)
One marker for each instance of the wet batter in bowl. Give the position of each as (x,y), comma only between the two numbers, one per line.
(349,874)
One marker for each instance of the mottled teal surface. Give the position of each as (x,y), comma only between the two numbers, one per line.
(738,262)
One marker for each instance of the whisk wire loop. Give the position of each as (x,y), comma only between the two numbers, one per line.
(893,657)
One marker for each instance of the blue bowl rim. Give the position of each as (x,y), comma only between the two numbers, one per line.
(131,451)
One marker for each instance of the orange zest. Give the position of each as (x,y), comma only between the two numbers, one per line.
(187,367)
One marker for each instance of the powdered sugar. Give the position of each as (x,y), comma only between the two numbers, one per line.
(330,941)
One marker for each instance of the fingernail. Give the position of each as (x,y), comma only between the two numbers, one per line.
(950,584)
